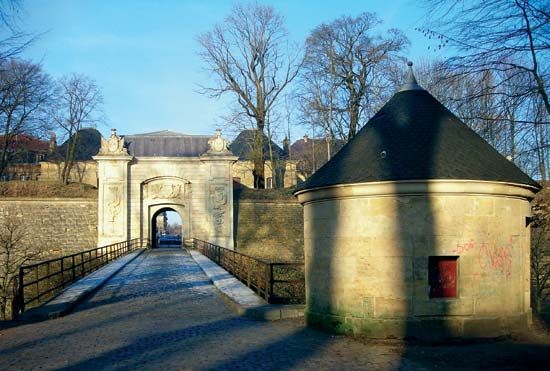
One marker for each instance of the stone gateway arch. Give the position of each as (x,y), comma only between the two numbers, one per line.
(142,174)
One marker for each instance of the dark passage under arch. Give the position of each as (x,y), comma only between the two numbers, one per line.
(166,225)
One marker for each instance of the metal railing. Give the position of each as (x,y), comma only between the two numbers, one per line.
(37,283)
(277,283)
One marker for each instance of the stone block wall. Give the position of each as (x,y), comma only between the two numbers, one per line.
(55,226)
(271,229)
(58,226)
(367,260)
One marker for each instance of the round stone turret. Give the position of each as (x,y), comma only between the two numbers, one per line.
(417,228)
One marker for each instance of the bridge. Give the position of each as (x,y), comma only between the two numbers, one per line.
(168,307)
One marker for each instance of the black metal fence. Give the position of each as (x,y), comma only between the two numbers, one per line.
(37,283)
(277,283)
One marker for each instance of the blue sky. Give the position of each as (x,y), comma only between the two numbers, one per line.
(143,54)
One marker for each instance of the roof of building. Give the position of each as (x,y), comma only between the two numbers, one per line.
(312,153)
(89,141)
(163,133)
(166,144)
(243,144)
(306,143)
(24,142)
(305,146)
(414,137)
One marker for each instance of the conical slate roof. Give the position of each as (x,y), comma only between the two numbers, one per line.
(414,137)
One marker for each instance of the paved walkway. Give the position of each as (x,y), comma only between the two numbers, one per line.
(161,311)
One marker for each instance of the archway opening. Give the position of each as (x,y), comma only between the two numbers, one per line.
(167,228)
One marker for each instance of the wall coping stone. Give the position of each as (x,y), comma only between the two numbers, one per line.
(48,199)
(275,202)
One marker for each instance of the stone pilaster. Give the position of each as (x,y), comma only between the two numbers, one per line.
(219,191)
(113,161)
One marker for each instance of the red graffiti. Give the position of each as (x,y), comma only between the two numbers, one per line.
(463,247)
(495,258)
(489,257)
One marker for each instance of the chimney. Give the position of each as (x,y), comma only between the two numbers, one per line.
(53,143)
(286,147)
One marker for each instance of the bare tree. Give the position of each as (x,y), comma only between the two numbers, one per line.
(540,251)
(540,266)
(14,252)
(8,11)
(249,55)
(25,90)
(510,36)
(345,75)
(508,40)
(16,41)
(492,104)
(78,104)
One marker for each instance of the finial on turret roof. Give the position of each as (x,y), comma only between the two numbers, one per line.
(410,83)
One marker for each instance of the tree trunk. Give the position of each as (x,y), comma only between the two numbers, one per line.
(271,159)
(275,162)
(69,158)
(4,155)
(541,153)
(258,154)
(513,139)
(353,120)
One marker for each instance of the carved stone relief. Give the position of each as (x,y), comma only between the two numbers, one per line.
(218,206)
(165,190)
(113,209)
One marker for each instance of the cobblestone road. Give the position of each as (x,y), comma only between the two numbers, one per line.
(162,312)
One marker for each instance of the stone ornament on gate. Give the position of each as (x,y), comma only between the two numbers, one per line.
(165,188)
(113,146)
(165,191)
(218,145)
(218,202)
(113,205)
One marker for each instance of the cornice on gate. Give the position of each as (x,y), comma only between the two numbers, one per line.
(166,159)
(165,177)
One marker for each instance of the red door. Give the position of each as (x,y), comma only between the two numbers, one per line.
(443,276)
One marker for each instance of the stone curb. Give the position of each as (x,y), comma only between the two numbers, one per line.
(241,298)
(66,300)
